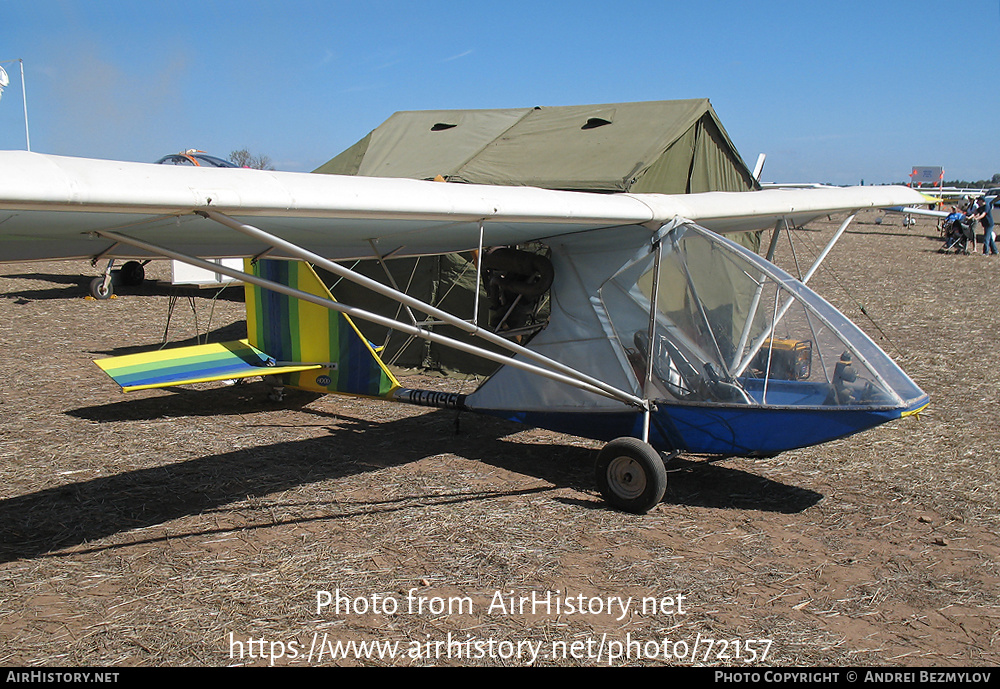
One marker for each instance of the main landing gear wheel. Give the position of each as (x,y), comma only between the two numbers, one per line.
(631,475)
(99,291)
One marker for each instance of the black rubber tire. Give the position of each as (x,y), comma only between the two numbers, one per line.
(98,291)
(133,274)
(630,475)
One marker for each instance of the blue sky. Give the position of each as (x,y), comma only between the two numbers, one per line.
(832,92)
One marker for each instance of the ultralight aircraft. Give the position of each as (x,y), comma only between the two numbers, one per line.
(664,335)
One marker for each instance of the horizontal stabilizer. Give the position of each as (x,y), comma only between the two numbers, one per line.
(197,364)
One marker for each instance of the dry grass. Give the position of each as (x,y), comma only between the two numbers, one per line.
(145,529)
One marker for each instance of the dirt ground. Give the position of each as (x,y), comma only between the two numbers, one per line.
(211,527)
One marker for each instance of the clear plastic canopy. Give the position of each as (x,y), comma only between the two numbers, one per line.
(732,328)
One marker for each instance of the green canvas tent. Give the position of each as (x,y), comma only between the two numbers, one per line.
(670,147)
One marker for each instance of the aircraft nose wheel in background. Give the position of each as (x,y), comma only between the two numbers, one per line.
(631,475)
(132,274)
(99,290)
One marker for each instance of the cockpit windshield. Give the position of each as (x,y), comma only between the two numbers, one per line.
(732,328)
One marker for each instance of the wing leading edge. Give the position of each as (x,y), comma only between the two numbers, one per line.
(50,205)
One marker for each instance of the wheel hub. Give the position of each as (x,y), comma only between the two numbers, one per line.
(626,477)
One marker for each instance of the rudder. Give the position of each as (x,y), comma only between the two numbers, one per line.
(292,330)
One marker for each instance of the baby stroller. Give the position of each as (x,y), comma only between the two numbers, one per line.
(958,234)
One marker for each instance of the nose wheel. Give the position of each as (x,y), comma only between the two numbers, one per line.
(630,475)
(101,288)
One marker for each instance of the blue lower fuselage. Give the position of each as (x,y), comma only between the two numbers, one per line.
(724,429)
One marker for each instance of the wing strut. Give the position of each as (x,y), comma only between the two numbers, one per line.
(647,382)
(828,248)
(405,299)
(555,371)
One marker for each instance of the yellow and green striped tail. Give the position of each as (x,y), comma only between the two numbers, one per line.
(294,331)
(311,347)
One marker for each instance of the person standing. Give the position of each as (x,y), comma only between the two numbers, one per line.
(984,214)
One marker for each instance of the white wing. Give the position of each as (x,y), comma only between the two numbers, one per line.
(50,204)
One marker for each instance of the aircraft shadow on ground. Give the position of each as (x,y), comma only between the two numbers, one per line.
(78,286)
(66,516)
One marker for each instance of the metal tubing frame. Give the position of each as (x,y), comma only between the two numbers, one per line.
(388,275)
(562,374)
(829,247)
(479,274)
(405,299)
(755,302)
(780,313)
(647,382)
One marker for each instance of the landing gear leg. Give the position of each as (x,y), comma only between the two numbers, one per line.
(631,475)
(102,288)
